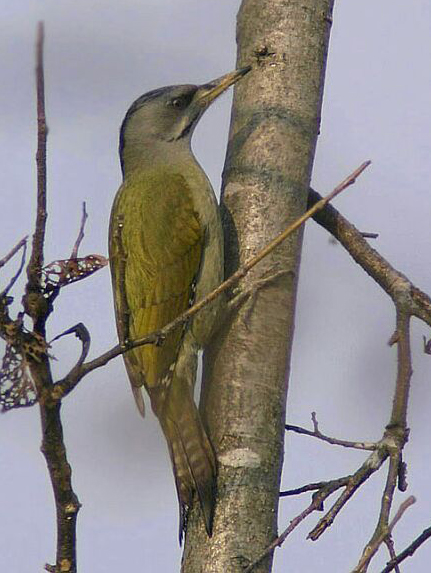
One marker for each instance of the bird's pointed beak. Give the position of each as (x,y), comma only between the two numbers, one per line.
(204,96)
(208,92)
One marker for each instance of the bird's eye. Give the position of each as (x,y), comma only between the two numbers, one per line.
(177,102)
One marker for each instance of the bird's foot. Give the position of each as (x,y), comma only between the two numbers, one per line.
(160,338)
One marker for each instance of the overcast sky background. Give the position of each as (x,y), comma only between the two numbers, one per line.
(101,55)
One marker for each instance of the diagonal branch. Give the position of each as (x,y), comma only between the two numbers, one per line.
(23,244)
(13,252)
(371,465)
(66,385)
(392,281)
(282,538)
(409,301)
(408,551)
(397,428)
(384,533)
(323,490)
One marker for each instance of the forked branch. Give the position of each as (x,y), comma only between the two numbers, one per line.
(408,301)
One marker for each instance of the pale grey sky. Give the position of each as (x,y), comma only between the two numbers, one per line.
(101,55)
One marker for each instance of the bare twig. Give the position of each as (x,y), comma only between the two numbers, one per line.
(408,551)
(36,305)
(351,483)
(81,232)
(391,280)
(409,300)
(401,510)
(383,534)
(373,463)
(74,377)
(281,538)
(325,489)
(23,244)
(36,260)
(390,446)
(369,235)
(13,252)
(81,332)
(404,368)
(320,485)
(316,433)
(398,429)
(389,542)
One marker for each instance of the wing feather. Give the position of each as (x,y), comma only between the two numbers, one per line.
(156,242)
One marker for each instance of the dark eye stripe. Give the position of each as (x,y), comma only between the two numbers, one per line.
(182,101)
(178,102)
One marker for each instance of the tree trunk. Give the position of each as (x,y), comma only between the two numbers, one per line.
(275,122)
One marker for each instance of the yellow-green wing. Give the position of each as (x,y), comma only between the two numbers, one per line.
(156,243)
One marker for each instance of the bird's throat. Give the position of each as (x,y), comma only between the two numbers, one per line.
(144,154)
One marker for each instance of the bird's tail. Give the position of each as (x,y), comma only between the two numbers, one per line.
(191,452)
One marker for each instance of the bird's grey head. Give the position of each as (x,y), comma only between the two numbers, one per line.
(169,114)
(164,114)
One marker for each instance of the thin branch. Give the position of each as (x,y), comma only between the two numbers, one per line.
(81,233)
(389,542)
(13,251)
(408,301)
(351,484)
(392,281)
(36,260)
(281,538)
(398,429)
(318,206)
(384,533)
(408,551)
(81,332)
(74,377)
(404,370)
(382,529)
(22,243)
(316,433)
(369,235)
(373,463)
(320,485)
(64,386)
(401,510)
(325,489)
(36,306)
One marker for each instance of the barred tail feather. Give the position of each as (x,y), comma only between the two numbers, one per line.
(191,452)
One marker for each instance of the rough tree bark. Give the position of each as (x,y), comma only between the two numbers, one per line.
(275,122)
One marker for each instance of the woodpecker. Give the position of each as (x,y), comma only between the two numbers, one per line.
(166,252)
